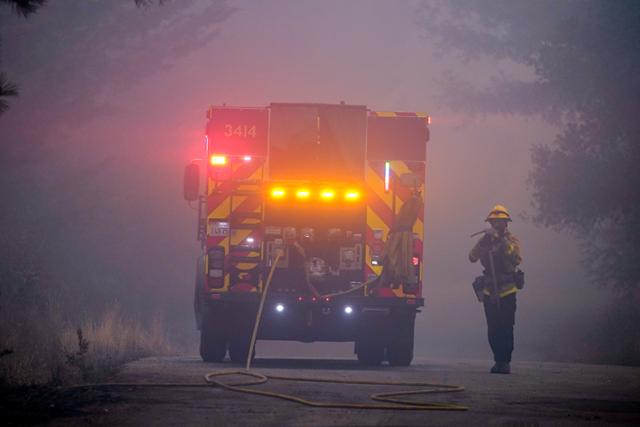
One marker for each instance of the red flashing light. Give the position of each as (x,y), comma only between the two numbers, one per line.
(313,299)
(327,299)
(415,261)
(300,298)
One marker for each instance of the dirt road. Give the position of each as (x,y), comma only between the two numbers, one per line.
(535,394)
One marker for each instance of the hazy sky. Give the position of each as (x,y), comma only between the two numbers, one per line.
(360,52)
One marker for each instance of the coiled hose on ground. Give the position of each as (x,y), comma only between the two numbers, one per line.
(391,399)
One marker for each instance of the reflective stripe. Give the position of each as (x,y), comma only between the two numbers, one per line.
(511,290)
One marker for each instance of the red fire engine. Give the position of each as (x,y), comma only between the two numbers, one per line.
(329,188)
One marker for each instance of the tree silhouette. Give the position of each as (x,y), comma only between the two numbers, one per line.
(584,56)
(25,7)
(6,89)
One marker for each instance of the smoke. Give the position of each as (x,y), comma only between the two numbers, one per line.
(112,106)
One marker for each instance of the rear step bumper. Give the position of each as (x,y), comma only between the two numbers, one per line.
(286,318)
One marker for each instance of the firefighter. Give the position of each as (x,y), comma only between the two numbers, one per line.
(499,253)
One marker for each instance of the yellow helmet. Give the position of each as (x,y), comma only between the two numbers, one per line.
(499,212)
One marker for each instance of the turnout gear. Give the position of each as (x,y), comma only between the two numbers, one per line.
(505,251)
(500,322)
(499,253)
(499,212)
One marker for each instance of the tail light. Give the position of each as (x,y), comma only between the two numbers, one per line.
(218,160)
(215,267)
(377,246)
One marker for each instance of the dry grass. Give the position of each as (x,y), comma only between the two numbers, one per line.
(45,352)
(110,343)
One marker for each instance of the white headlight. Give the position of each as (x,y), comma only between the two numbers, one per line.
(279,308)
(348,309)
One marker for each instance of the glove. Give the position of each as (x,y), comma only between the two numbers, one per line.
(490,238)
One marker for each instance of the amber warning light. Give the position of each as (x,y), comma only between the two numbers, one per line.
(352,195)
(325,194)
(303,194)
(218,160)
(278,193)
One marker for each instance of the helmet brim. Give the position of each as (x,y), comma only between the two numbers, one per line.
(498,218)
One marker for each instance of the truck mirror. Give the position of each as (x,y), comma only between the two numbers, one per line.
(191,182)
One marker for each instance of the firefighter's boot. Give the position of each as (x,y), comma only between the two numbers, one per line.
(501,368)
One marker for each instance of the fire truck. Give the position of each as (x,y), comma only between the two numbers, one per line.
(325,187)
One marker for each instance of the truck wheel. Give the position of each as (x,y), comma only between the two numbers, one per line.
(239,349)
(213,345)
(400,350)
(370,352)
(198,308)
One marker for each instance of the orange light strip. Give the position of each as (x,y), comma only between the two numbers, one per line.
(325,194)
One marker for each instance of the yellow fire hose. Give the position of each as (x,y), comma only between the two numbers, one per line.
(389,397)
(392,402)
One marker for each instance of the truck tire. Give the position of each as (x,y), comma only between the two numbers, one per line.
(370,352)
(239,349)
(213,343)
(198,306)
(400,349)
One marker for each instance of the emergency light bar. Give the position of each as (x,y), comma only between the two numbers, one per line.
(325,194)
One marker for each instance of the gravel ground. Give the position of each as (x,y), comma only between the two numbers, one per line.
(534,394)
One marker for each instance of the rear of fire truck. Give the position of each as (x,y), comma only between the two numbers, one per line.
(337,191)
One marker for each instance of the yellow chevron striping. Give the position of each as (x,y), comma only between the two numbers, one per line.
(376,184)
(399,167)
(418,228)
(257,174)
(238,200)
(246,265)
(238,236)
(222,210)
(376,223)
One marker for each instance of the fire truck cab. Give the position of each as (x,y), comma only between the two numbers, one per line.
(324,186)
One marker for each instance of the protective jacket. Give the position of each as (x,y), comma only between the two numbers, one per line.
(506,256)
